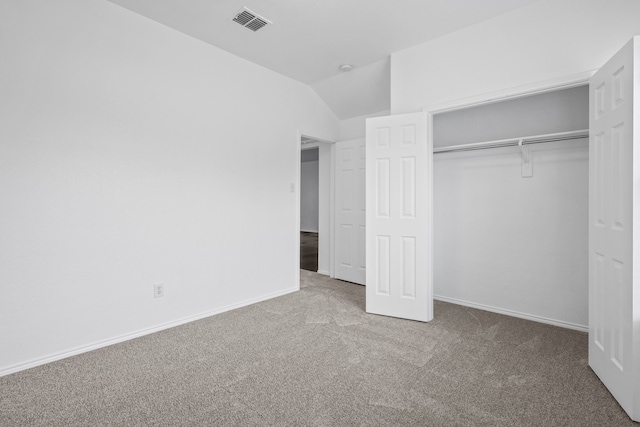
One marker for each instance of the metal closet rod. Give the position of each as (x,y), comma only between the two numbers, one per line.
(526,140)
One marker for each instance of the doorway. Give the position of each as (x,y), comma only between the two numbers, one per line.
(315,204)
(309,207)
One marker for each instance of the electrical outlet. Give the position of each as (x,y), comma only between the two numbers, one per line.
(158,290)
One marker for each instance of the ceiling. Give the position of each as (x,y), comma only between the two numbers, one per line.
(309,39)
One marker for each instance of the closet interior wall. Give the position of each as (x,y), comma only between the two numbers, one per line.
(504,242)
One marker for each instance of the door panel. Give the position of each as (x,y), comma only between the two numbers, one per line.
(399,217)
(614,301)
(349,211)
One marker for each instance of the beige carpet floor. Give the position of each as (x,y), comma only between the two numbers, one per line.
(315,358)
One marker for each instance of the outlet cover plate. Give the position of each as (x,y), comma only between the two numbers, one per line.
(158,290)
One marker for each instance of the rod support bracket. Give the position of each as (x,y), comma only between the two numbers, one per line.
(527,164)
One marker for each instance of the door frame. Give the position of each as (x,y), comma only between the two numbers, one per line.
(560,83)
(296,186)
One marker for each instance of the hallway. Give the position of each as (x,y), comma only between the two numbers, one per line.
(309,251)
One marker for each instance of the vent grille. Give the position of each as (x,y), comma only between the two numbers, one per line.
(250,20)
(244,17)
(256,24)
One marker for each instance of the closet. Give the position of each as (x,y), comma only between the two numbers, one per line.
(510,219)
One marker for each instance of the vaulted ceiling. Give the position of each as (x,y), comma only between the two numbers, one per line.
(309,39)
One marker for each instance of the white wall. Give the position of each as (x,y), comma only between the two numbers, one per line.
(355,127)
(131,154)
(309,193)
(479,197)
(511,243)
(550,112)
(535,43)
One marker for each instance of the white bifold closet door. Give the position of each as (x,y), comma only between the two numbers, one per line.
(399,217)
(350,211)
(614,233)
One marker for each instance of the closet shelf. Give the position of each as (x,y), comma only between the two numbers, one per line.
(526,140)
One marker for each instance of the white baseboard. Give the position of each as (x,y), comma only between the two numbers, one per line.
(84,349)
(540,319)
(324,272)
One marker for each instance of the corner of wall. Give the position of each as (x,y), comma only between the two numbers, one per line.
(354,127)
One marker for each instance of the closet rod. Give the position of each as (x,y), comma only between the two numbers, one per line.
(536,139)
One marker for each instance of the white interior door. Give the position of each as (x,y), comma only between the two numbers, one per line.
(399,217)
(614,203)
(350,211)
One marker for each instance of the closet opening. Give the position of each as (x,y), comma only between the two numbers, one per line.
(510,204)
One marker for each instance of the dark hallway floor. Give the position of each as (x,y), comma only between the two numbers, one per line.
(309,251)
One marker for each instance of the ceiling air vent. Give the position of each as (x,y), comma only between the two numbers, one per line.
(250,20)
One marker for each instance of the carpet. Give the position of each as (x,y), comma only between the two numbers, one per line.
(315,358)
